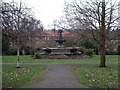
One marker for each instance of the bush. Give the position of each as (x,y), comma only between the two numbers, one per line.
(37,56)
(89,52)
(11,52)
(112,53)
(82,50)
(86,51)
(27,51)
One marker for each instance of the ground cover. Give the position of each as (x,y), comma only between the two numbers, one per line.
(13,77)
(0,72)
(0,75)
(27,58)
(96,77)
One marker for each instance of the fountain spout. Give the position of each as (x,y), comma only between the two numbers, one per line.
(60,39)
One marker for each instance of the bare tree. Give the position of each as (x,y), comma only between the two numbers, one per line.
(16,22)
(98,17)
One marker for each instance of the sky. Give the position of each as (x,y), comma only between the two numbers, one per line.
(45,10)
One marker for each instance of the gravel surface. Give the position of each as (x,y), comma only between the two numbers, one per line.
(56,76)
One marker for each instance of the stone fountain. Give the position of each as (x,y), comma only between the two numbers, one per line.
(61,50)
(60,39)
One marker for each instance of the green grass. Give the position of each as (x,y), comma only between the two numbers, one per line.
(0,71)
(0,75)
(97,77)
(27,58)
(13,77)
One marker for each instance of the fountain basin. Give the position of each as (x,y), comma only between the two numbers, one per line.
(62,51)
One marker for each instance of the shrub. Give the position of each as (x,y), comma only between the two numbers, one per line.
(86,51)
(27,51)
(82,50)
(112,53)
(37,56)
(11,52)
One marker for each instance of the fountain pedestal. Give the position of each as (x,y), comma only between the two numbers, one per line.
(61,50)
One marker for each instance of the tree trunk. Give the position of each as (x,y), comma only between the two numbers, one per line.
(18,54)
(18,58)
(102,37)
(102,56)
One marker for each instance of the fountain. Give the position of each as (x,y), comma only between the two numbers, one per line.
(61,50)
(60,39)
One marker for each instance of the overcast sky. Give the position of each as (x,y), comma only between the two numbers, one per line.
(45,10)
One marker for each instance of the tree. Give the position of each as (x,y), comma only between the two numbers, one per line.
(97,17)
(16,22)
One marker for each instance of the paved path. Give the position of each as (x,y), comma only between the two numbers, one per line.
(57,76)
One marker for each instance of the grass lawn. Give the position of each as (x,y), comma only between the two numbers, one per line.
(13,77)
(0,75)
(27,58)
(0,72)
(96,77)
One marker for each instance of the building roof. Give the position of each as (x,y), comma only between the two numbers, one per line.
(54,33)
(49,33)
